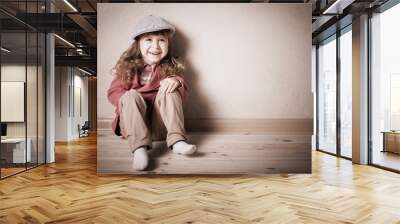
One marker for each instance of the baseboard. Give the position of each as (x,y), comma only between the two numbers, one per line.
(253,125)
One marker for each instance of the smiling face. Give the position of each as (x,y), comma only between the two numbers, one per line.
(153,47)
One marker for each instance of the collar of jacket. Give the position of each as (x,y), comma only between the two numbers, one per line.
(150,68)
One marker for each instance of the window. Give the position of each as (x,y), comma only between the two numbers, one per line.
(346,93)
(333,137)
(327,95)
(385,88)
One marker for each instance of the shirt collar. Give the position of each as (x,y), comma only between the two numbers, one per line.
(150,68)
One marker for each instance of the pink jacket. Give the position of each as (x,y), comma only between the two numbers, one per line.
(149,92)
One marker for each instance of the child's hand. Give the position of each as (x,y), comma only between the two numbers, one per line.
(168,85)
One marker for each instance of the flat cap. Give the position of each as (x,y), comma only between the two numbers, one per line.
(152,23)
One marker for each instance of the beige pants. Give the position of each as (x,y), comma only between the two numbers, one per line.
(166,119)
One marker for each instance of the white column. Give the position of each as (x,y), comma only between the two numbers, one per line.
(50,92)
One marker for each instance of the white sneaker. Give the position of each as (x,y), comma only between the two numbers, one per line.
(140,159)
(183,148)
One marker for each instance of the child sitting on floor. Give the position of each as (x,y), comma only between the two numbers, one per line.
(148,90)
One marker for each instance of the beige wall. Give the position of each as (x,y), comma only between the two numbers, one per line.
(62,81)
(71,87)
(244,61)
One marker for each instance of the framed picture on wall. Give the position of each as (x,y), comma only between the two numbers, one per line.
(12,101)
(204,88)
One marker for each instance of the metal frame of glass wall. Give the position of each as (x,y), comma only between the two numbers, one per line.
(334,37)
(35,82)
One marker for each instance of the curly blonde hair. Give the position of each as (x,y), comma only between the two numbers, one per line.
(131,61)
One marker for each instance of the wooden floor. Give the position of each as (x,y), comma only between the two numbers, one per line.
(10,171)
(387,159)
(70,191)
(217,153)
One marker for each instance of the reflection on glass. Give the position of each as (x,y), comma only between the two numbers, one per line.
(22,91)
(13,84)
(386,89)
(346,94)
(327,96)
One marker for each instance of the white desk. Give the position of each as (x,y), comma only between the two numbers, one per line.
(18,149)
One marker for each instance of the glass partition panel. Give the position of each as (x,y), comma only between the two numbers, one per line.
(22,62)
(14,153)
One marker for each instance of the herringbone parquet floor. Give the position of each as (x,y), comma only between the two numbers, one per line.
(70,191)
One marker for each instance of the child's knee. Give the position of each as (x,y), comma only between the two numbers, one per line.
(131,95)
(174,93)
(165,97)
